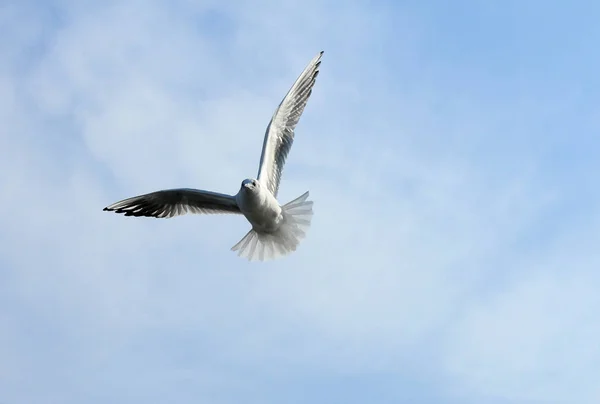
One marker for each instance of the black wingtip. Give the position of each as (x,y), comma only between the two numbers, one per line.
(105,210)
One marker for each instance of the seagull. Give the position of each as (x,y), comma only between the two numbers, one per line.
(276,229)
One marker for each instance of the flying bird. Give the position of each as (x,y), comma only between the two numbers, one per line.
(276,229)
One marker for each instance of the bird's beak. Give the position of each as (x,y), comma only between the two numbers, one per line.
(247,185)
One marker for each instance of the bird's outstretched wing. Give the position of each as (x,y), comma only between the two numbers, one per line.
(175,202)
(280,132)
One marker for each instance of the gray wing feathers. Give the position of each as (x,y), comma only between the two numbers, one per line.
(280,132)
(175,202)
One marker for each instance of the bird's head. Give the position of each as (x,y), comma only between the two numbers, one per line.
(250,184)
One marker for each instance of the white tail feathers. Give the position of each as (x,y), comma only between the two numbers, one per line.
(297,215)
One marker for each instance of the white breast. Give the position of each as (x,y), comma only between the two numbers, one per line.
(260,208)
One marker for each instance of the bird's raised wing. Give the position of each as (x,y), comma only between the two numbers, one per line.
(280,132)
(175,202)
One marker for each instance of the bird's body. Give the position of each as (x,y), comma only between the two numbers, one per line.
(259,206)
(276,229)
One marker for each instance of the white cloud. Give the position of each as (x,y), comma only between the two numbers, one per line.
(536,337)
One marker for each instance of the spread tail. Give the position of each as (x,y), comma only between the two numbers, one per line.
(297,215)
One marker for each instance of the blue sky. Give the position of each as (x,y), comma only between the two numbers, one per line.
(451,151)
